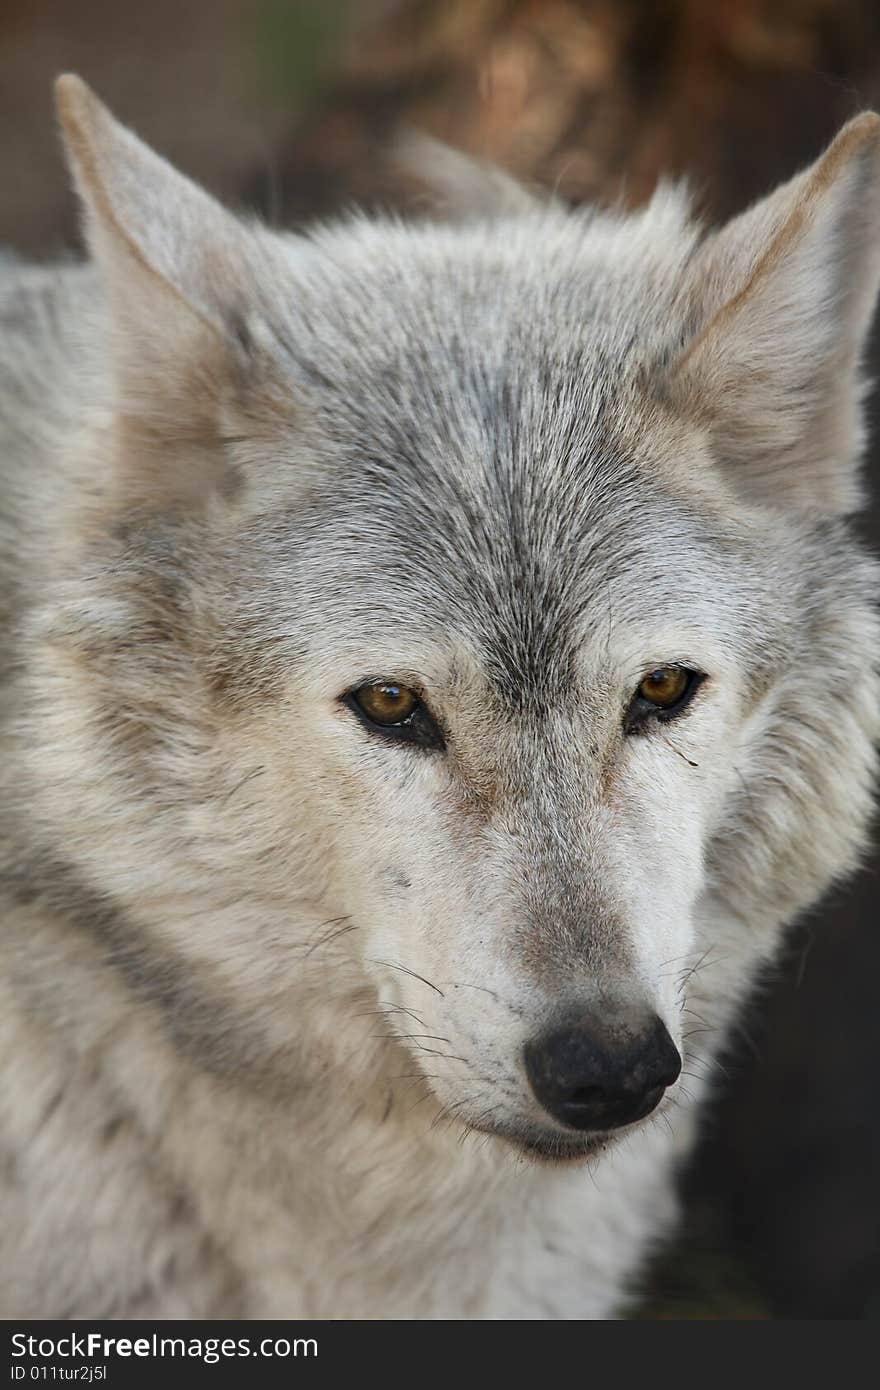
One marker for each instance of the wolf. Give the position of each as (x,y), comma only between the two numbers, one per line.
(438,663)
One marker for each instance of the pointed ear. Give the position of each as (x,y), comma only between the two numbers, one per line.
(461,188)
(181,274)
(779,305)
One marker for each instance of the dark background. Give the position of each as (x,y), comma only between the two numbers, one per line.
(286,106)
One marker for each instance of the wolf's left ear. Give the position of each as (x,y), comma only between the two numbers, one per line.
(179,270)
(779,305)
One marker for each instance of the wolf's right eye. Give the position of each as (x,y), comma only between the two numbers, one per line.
(384,707)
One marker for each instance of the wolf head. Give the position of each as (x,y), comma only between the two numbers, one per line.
(463,623)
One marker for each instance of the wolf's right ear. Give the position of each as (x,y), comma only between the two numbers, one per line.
(181,273)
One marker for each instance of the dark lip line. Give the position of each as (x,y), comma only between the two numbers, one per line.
(561,1150)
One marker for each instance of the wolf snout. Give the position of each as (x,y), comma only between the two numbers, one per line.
(593,1076)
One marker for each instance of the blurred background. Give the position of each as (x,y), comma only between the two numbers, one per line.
(286,107)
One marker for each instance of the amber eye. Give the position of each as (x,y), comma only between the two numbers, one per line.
(396,712)
(662,694)
(665,686)
(386,704)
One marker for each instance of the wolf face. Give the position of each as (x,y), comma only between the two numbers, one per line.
(463,624)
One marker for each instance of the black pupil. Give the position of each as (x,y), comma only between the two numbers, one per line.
(393,698)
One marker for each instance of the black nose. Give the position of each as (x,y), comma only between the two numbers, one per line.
(592,1077)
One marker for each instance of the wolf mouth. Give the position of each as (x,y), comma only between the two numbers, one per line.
(548,1147)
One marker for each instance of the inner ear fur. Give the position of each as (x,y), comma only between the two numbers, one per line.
(777,310)
(185,282)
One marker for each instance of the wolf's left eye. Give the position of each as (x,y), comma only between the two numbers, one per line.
(664,693)
(386,704)
(384,707)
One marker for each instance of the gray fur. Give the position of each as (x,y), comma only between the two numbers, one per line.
(266,979)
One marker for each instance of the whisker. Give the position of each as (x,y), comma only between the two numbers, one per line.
(432,1037)
(435,1052)
(686,1009)
(464,984)
(419,1076)
(432,1051)
(392,965)
(331,937)
(391,1009)
(484,989)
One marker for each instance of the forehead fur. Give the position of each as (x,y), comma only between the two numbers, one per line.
(448,312)
(494,447)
